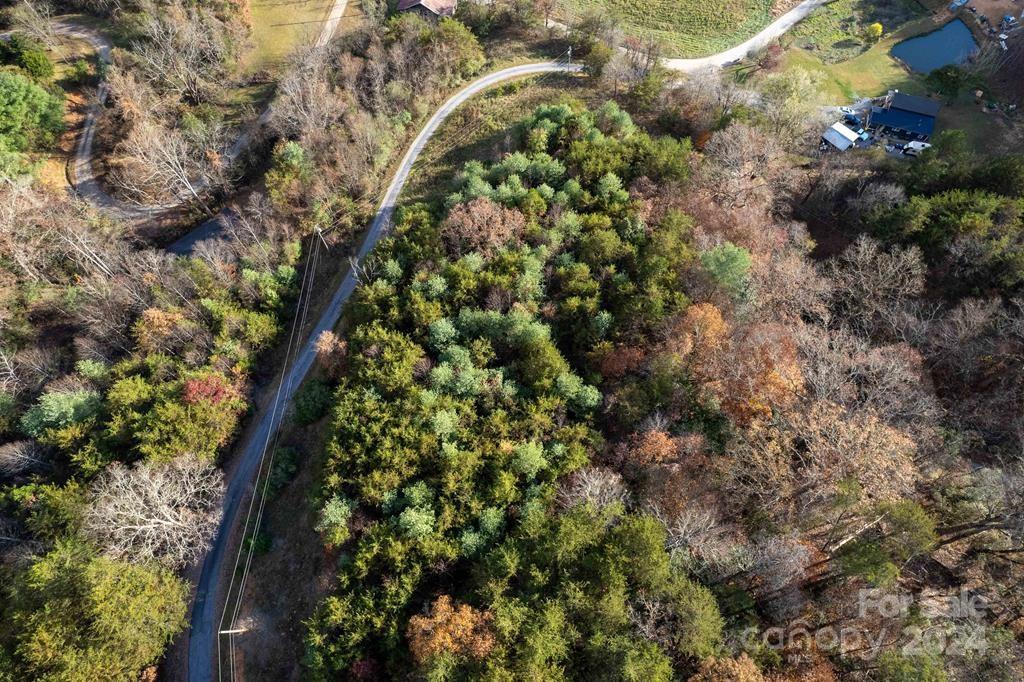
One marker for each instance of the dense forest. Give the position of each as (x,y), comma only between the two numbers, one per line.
(601,416)
(653,391)
(125,370)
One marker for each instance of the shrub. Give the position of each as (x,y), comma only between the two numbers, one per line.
(416,522)
(333,521)
(312,402)
(30,117)
(57,410)
(28,55)
(729,265)
(286,464)
(93,370)
(8,411)
(529,459)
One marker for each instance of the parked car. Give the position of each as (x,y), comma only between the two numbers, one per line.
(915,148)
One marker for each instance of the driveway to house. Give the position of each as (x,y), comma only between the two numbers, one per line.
(208,606)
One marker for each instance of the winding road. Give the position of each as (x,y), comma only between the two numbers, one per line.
(83,172)
(763,39)
(207,608)
(206,611)
(83,175)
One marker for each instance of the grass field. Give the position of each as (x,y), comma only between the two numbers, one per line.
(688,28)
(867,75)
(278,27)
(831,42)
(836,32)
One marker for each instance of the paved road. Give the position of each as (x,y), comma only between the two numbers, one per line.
(770,33)
(208,605)
(773,31)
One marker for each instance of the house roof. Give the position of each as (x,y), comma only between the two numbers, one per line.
(845,132)
(900,119)
(916,105)
(442,8)
(839,139)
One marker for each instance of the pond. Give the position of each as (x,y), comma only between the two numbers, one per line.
(951,44)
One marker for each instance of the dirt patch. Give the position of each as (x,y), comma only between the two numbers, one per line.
(288,581)
(995,10)
(780,7)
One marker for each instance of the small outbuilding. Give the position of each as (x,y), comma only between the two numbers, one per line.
(429,9)
(840,137)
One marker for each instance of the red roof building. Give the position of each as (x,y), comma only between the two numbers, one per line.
(430,9)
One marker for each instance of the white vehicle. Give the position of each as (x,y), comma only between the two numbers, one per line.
(915,148)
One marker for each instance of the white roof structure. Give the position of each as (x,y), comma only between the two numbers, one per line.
(840,137)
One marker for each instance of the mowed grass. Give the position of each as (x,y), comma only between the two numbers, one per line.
(836,31)
(868,70)
(687,28)
(870,74)
(280,26)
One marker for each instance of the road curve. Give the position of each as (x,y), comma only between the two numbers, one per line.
(83,174)
(206,609)
(758,42)
(771,32)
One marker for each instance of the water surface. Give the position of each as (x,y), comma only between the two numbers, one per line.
(951,44)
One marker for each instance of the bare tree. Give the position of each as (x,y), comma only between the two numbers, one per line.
(167,512)
(163,164)
(306,101)
(184,49)
(133,96)
(779,561)
(25,232)
(21,456)
(876,195)
(706,97)
(785,284)
(594,485)
(9,381)
(35,19)
(872,286)
(35,365)
(742,165)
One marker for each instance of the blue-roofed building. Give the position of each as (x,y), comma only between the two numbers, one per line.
(905,117)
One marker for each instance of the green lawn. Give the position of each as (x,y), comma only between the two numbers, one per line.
(278,27)
(831,42)
(688,28)
(837,32)
(868,75)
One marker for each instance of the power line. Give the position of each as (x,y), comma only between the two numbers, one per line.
(302,306)
(283,389)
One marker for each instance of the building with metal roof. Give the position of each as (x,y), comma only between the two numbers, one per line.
(840,137)
(905,117)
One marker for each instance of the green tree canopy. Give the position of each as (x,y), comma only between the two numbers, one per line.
(30,117)
(72,616)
